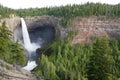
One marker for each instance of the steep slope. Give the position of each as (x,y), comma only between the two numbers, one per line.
(87,27)
(90,27)
(13,72)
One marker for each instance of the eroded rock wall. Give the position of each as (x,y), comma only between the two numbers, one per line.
(87,27)
(90,27)
(11,23)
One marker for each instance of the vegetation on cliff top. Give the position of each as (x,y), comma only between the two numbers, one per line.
(66,12)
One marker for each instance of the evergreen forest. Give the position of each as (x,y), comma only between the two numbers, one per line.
(61,60)
(67,12)
(96,61)
(10,51)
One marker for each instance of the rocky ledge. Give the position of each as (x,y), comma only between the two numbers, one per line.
(13,72)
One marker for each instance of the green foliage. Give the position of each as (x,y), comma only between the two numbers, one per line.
(66,62)
(66,12)
(5,12)
(10,51)
(17,55)
(47,69)
(4,42)
(115,59)
(99,63)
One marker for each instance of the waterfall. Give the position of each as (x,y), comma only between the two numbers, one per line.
(30,47)
(26,38)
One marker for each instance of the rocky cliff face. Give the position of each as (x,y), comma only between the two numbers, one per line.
(38,22)
(11,23)
(32,22)
(45,27)
(90,27)
(42,29)
(87,27)
(12,72)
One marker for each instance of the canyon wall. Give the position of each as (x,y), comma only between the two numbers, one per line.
(87,27)
(11,23)
(90,27)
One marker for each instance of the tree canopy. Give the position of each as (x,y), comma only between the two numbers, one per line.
(68,11)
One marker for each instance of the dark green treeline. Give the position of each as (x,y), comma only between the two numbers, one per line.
(68,11)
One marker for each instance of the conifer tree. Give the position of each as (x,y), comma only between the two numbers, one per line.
(17,55)
(10,51)
(4,42)
(115,60)
(99,64)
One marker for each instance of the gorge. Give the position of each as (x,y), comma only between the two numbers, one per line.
(72,42)
(33,39)
(44,29)
(91,26)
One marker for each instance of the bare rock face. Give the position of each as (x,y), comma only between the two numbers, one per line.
(31,22)
(46,27)
(41,21)
(44,22)
(87,27)
(42,29)
(11,23)
(90,27)
(12,72)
